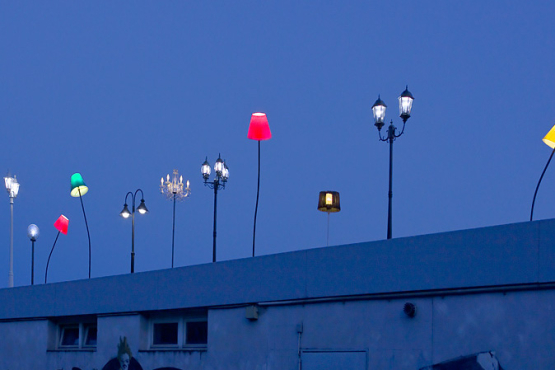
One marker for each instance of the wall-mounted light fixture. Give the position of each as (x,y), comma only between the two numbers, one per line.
(328,201)
(409,309)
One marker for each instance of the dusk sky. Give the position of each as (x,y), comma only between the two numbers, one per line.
(125,92)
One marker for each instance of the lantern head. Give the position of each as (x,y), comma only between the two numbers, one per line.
(405,104)
(378,109)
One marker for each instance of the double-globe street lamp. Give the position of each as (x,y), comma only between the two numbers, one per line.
(174,190)
(222,174)
(125,214)
(12,187)
(378,109)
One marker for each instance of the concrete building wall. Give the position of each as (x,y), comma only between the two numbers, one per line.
(518,326)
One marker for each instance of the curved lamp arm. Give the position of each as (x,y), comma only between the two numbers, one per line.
(538,186)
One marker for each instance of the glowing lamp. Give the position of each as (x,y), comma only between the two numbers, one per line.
(33,232)
(549,139)
(225,173)
(205,169)
(125,212)
(378,110)
(328,201)
(142,207)
(405,104)
(259,129)
(61,224)
(219,166)
(78,186)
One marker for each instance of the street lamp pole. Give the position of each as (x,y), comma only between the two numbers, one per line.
(33,233)
(125,214)
(174,190)
(12,187)
(222,175)
(378,109)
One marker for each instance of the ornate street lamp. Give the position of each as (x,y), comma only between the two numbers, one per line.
(328,201)
(222,174)
(378,109)
(78,189)
(33,233)
(174,190)
(61,225)
(12,187)
(125,214)
(259,129)
(549,140)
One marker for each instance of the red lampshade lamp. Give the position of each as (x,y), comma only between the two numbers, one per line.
(259,129)
(61,225)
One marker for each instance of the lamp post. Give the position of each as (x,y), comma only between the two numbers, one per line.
(78,189)
(378,109)
(259,129)
(328,201)
(12,187)
(222,174)
(125,214)
(61,225)
(174,190)
(33,233)
(549,140)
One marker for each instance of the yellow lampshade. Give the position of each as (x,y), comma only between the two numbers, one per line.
(549,139)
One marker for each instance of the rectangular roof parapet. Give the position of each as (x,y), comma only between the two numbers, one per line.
(522,253)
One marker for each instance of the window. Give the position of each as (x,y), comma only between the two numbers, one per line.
(77,336)
(178,332)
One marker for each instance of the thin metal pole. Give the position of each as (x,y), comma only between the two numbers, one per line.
(87,225)
(32,262)
(256,207)
(10,274)
(173,229)
(215,210)
(50,255)
(133,239)
(538,186)
(328,229)
(391,137)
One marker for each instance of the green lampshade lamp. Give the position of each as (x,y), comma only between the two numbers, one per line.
(78,189)
(78,186)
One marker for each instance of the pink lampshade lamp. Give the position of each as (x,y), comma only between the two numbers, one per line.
(61,225)
(259,130)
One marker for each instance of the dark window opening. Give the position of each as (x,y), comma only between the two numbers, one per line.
(197,332)
(165,333)
(90,335)
(70,336)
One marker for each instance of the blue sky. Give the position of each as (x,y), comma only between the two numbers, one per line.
(124,93)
